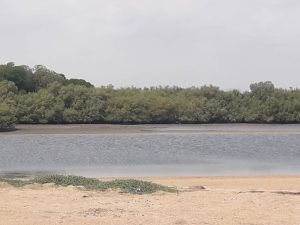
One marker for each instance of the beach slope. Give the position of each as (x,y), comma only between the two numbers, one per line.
(202,200)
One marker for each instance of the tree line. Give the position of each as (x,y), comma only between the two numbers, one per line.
(41,96)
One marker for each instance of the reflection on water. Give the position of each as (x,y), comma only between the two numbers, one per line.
(164,154)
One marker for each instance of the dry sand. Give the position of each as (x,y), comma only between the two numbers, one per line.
(225,200)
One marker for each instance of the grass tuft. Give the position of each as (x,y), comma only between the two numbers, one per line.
(125,185)
(14,182)
(138,186)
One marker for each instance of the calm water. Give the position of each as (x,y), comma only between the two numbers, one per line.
(165,154)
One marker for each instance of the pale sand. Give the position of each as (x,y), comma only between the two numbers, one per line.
(225,200)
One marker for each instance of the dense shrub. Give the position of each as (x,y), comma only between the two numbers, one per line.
(40,95)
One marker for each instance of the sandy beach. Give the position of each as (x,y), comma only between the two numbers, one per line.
(202,200)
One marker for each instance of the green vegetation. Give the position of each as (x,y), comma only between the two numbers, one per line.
(7,118)
(15,182)
(127,186)
(39,95)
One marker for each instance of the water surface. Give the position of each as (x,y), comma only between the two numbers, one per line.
(173,151)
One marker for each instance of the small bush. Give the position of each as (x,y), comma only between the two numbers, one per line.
(138,186)
(125,185)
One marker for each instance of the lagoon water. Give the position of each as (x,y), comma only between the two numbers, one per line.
(175,152)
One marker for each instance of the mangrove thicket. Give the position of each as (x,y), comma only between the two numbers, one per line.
(41,96)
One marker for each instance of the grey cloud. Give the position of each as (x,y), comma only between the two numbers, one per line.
(229,43)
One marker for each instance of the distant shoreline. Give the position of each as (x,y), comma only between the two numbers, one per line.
(153,128)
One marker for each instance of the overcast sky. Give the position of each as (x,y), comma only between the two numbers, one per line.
(228,43)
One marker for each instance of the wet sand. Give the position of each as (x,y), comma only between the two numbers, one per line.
(155,128)
(225,200)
